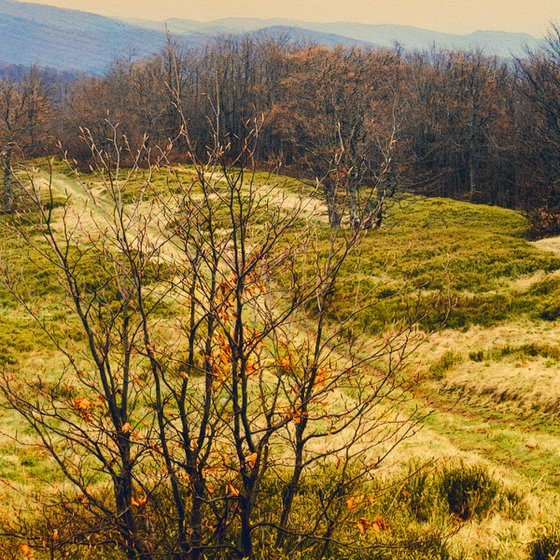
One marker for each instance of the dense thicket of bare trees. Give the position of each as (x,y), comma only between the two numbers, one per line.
(206,380)
(461,124)
(24,123)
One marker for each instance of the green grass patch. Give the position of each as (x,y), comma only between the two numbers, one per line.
(469,253)
(532,350)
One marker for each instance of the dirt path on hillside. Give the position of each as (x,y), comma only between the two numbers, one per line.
(310,207)
(551,244)
(91,212)
(77,191)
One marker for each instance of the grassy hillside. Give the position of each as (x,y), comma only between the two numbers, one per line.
(488,373)
(476,255)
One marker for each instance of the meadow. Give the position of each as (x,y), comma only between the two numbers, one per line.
(480,477)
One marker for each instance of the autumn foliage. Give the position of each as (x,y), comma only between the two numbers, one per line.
(465,125)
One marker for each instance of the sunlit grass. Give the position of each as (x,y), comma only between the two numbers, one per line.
(490,375)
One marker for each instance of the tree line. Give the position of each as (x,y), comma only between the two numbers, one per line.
(448,123)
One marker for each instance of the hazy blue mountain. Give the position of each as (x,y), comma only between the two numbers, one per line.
(501,43)
(307,36)
(188,30)
(68,39)
(493,42)
(76,40)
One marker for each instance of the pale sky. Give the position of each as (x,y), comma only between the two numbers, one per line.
(454,16)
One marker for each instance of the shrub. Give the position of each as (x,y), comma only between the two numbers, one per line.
(531,350)
(549,310)
(477,356)
(544,221)
(469,490)
(512,504)
(545,544)
(445,363)
(418,491)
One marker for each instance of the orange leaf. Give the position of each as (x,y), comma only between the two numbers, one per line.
(251,369)
(251,460)
(380,524)
(138,502)
(363,524)
(83,407)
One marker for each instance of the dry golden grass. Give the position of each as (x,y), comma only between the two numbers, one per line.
(500,411)
(551,244)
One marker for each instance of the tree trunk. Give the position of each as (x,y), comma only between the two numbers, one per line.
(373,214)
(246,537)
(332,206)
(196,518)
(288,496)
(134,547)
(8,198)
(353,204)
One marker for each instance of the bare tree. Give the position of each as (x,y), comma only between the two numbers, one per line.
(540,87)
(212,361)
(23,109)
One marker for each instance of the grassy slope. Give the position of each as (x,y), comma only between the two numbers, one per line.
(491,376)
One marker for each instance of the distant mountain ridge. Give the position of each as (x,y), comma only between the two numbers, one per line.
(501,43)
(80,41)
(68,39)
